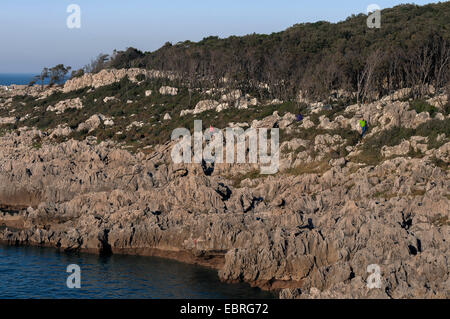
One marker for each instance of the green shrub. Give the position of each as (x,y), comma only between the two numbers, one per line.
(422,106)
(140,77)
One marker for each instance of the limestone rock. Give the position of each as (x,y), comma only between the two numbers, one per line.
(109,99)
(168,90)
(205,105)
(61,106)
(61,130)
(8,120)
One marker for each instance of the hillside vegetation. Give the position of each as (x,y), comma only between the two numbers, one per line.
(411,49)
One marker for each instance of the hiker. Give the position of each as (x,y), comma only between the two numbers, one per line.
(363,124)
(299,117)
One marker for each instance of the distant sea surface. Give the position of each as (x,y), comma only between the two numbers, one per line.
(29,272)
(18,78)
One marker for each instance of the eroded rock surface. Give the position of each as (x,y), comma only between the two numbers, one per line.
(310,231)
(312,235)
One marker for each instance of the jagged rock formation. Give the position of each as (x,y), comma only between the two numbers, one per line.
(168,90)
(94,122)
(62,106)
(109,76)
(315,232)
(309,231)
(8,120)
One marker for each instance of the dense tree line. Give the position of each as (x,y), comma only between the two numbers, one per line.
(411,49)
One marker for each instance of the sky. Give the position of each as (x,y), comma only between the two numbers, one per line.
(34,33)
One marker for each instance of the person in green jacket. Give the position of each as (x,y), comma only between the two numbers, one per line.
(363,124)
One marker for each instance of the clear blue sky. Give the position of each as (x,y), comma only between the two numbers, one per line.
(34,32)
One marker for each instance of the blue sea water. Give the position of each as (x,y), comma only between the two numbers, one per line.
(18,78)
(30,272)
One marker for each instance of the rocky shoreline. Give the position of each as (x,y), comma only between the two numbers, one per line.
(212,261)
(310,231)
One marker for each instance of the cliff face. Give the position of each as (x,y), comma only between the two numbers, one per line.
(310,231)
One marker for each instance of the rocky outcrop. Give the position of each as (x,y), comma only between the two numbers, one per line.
(312,235)
(310,231)
(8,120)
(62,106)
(168,90)
(415,144)
(94,122)
(108,99)
(110,76)
(205,105)
(61,130)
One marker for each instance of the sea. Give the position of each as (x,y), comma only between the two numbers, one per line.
(18,78)
(42,273)
(15,78)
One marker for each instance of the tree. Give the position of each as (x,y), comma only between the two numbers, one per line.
(58,73)
(40,77)
(365,77)
(77,73)
(442,64)
(315,58)
(97,64)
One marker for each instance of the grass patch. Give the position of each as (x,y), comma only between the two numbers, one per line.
(439,163)
(422,106)
(384,194)
(237,179)
(37,146)
(418,192)
(439,220)
(309,168)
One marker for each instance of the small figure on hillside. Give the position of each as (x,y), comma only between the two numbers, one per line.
(363,124)
(299,117)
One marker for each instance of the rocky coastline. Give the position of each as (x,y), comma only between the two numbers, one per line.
(304,234)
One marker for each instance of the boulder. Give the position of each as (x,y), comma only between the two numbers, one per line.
(61,130)
(109,99)
(168,90)
(61,106)
(8,120)
(232,96)
(222,106)
(90,124)
(205,105)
